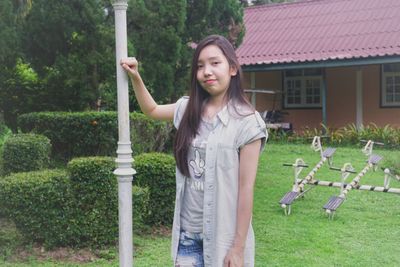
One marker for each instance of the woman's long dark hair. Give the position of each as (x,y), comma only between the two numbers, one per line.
(189,125)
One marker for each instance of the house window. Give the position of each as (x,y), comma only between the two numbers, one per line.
(303,88)
(391,85)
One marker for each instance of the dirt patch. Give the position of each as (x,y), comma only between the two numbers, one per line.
(57,254)
(20,252)
(161,231)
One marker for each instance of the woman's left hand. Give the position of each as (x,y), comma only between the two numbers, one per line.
(234,258)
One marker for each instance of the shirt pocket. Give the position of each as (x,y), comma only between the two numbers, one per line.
(227,157)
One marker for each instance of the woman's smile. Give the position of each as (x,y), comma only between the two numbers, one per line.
(210,81)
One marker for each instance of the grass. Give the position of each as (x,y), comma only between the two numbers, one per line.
(364,231)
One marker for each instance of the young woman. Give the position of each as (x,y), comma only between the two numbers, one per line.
(217,146)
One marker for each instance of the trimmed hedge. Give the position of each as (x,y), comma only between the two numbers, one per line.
(77,134)
(94,188)
(40,205)
(77,207)
(25,152)
(156,171)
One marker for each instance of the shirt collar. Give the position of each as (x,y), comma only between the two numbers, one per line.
(223,115)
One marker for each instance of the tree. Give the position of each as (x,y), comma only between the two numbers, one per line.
(155,27)
(59,55)
(20,93)
(22,7)
(163,31)
(214,17)
(9,52)
(70,45)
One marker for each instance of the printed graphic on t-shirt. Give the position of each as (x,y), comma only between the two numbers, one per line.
(197,167)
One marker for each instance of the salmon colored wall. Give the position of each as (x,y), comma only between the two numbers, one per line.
(304,118)
(300,118)
(341,96)
(372,110)
(270,81)
(341,99)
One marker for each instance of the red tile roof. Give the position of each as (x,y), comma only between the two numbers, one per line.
(319,30)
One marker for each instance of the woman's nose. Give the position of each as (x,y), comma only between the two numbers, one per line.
(207,71)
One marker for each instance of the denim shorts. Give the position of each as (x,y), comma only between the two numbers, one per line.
(190,250)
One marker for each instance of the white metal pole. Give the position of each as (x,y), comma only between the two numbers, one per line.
(124,171)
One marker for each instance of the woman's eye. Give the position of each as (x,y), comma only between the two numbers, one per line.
(215,62)
(199,66)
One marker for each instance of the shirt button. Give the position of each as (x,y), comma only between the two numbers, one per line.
(210,186)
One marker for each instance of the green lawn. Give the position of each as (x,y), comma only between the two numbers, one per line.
(364,232)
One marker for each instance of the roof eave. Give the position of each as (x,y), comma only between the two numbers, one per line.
(322,64)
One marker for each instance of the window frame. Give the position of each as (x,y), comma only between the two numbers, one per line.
(303,77)
(383,94)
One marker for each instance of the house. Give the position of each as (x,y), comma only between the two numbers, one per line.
(334,62)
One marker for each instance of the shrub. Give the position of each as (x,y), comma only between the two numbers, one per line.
(348,135)
(140,205)
(80,134)
(25,152)
(4,133)
(148,135)
(278,135)
(156,171)
(77,207)
(392,163)
(74,134)
(387,134)
(40,204)
(10,239)
(95,190)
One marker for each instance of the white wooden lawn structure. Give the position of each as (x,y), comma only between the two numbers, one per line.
(299,184)
(335,201)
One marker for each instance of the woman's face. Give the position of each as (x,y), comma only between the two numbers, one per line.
(213,71)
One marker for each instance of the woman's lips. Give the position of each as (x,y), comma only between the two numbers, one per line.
(210,81)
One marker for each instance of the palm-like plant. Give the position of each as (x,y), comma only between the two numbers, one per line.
(22,7)
(393,164)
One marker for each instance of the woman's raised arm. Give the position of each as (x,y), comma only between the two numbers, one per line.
(146,102)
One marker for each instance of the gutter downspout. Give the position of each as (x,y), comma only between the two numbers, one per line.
(359,98)
(324,96)
(253,86)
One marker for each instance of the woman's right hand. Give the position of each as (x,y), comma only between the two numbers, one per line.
(130,64)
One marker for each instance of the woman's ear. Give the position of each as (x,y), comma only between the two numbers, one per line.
(233,71)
